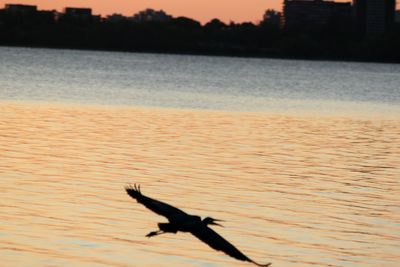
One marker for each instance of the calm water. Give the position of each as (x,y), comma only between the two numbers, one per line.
(197,82)
(316,186)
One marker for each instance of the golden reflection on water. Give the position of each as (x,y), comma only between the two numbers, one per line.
(293,190)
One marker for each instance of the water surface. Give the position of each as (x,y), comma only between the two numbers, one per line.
(199,82)
(293,190)
(300,158)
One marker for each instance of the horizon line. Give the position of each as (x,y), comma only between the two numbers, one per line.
(102,15)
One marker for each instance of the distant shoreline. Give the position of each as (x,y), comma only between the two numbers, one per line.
(336,38)
(210,53)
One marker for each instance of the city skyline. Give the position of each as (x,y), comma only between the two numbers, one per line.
(201,10)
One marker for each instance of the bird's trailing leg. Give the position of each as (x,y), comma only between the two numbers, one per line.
(154,233)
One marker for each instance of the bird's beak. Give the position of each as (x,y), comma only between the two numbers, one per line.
(214,222)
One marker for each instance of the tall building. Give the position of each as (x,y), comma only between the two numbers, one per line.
(374,17)
(314,14)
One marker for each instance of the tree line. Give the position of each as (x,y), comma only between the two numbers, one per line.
(336,41)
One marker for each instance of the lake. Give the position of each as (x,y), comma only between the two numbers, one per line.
(299,158)
(198,82)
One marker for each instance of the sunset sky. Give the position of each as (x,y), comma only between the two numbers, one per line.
(202,10)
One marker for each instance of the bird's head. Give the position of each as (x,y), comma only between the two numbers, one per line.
(209,220)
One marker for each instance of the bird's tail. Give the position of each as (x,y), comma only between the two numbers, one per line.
(134,191)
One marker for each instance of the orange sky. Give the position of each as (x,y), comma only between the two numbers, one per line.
(202,10)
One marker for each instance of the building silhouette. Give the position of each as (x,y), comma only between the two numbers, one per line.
(374,17)
(315,14)
(79,15)
(78,12)
(17,8)
(115,18)
(28,15)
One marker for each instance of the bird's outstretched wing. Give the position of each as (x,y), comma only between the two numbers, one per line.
(217,242)
(156,206)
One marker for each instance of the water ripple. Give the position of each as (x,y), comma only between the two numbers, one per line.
(294,190)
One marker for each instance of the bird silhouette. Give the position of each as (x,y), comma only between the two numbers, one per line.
(181,221)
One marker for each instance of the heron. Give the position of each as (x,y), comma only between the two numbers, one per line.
(180,221)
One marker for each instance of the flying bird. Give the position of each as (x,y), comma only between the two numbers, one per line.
(181,221)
